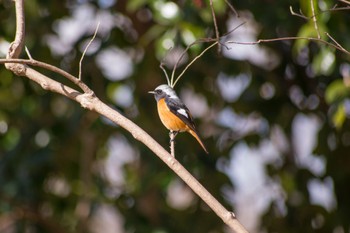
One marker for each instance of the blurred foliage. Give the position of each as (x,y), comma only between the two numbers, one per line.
(61,165)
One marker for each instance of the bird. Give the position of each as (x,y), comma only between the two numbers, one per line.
(173,113)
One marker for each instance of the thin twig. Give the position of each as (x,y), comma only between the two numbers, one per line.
(315,19)
(28,53)
(290,38)
(162,66)
(301,15)
(166,74)
(217,35)
(334,8)
(234,29)
(202,40)
(86,48)
(335,42)
(232,8)
(198,41)
(346,8)
(194,59)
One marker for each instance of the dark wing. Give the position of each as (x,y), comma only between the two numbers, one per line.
(181,111)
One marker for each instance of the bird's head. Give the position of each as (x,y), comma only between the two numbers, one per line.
(163,91)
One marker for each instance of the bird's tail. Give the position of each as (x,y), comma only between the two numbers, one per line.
(194,134)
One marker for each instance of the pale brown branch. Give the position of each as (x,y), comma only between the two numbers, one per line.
(234,29)
(86,48)
(301,15)
(336,42)
(17,45)
(232,8)
(89,101)
(28,53)
(346,8)
(194,59)
(315,19)
(163,69)
(291,38)
(217,35)
(52,68)
(92,103)
(198,41)
(334,8)
(344,1)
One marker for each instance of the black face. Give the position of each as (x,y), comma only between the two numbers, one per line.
(159,94)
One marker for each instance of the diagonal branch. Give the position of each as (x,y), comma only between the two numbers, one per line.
(92,103)
(89,101)
(344,1)
(52,68)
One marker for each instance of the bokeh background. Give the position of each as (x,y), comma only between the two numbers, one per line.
(274,116)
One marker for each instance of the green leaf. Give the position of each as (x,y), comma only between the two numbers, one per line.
(336,91)
(132,6)
(339,116)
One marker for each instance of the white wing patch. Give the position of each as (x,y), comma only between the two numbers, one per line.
(182,112)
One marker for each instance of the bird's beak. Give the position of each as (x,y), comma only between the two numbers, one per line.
(151,92)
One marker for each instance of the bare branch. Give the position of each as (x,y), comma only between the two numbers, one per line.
(344,1)
(52,68)
(28,53)
(165,73)
(162,67)
(189,64)
(198,41)
(217,35)
(86,48)
(314,19)
(335,42)
(346,8)
(234,29)
(334,8)
(89,101)
(232,8)
(17,45)
(301,15)
(291,38)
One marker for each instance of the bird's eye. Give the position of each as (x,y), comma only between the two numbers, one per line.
(159,92)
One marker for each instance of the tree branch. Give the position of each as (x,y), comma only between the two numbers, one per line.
(89,101)
(52,68)
(217,35)
(86,48)
(315,19)
(336,46)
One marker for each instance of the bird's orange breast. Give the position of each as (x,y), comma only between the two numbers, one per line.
(169,119)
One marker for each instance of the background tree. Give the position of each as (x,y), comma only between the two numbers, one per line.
(274,117)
